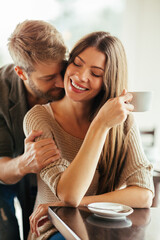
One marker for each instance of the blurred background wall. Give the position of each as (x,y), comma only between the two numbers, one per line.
(135,22)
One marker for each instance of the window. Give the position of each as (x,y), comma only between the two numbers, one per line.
(72,18)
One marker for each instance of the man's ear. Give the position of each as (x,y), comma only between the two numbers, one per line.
(20,72)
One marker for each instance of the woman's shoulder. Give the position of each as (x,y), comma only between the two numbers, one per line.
(38,107)
(37,115)
(37,118)
(38,110)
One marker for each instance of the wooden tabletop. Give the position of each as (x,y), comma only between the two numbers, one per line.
(80,223)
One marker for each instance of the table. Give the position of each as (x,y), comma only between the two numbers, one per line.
(156,180)
(80,223)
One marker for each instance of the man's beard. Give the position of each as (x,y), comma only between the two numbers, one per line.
(53,94)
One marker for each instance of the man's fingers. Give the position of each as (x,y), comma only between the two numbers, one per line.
(50,153)
(31,137)
(42,142)
(46,142)
(50,148)
(40,154)
(50,160)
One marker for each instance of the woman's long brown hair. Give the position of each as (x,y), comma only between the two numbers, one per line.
(115,80)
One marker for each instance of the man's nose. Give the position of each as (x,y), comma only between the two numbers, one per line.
(59,83)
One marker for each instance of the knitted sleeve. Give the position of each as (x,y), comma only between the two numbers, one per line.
(137,170)
(39,119)
(52,173)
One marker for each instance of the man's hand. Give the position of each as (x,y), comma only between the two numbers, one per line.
(38,154)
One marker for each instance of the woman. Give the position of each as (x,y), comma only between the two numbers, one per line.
(101,154)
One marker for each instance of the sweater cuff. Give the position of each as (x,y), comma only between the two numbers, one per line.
(52,173)
(142,178)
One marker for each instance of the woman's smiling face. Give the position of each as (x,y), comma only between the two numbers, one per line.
(84,76)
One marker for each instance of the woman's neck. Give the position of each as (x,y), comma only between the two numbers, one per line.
(72,116)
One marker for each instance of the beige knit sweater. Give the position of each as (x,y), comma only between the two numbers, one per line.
(137,170)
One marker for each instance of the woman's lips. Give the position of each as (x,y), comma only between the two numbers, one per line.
(77,86)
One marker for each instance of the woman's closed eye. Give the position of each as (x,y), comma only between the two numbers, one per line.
(96,75)
(77,64)
(97,72)
(94,71)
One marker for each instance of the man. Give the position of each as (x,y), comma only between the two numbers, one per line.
(38,53)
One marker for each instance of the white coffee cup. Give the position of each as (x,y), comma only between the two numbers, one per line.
(142,101)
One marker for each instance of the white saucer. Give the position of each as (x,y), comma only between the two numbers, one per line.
(104,210)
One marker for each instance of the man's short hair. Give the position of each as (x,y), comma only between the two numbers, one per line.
(35,41)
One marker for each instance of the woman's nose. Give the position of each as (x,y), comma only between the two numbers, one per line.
(83,75)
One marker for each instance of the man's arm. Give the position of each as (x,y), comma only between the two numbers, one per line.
(35,157)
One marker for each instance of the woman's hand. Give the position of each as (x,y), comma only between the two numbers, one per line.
(115,110)
(40,216)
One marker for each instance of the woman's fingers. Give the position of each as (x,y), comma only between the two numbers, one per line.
(127,98)
(43,221)
(123,92)
(129,107)
(40,216)
(41,211)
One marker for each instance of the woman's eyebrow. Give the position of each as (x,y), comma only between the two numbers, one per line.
(91,66)
(81,59)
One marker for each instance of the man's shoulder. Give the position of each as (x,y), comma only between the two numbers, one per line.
(11,89)
(7,69)
(7,74)
(7,66)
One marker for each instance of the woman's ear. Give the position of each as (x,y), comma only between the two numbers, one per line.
(20,72)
